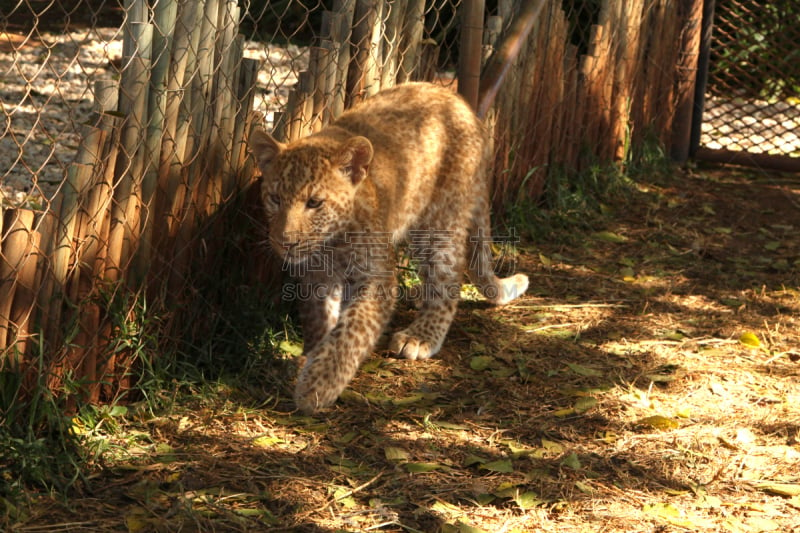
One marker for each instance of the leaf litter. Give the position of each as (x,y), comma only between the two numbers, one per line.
(657,392)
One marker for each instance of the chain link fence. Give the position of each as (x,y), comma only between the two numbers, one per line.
(752,105)
(126,183)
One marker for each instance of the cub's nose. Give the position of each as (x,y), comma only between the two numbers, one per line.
(290,242)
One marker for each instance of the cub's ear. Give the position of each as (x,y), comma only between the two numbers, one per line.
(354,158)
(264,147)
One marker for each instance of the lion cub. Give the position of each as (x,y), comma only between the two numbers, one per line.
(407,165)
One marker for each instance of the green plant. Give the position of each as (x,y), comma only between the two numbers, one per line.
(36,447)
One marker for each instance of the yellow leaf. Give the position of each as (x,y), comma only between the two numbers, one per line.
(584,404)
(659,422)
(609,236)
(546,261)
(396,454)
(501,465)
(781,489)
(748,338)
(267,441)
(669,513)
(137,520)
(421,468)
(292,348)
(561,413)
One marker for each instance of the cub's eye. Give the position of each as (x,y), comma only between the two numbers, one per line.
(314,203)
(275,199)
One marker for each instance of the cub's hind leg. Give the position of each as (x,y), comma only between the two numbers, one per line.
(441,257)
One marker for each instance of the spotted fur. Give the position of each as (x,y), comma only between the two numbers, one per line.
(409,164)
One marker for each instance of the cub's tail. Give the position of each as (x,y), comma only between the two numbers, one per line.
(499,291)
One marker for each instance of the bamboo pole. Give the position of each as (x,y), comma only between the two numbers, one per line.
(176,120)
(320,59)
(130,163)
(229,47)
(23,309)
(63,248)
(391,41)
(341,34)
(248,78)
(329,80)
(165,14)
(16,245)
(686,70)
(359,80)
(195,194)
(413,28)
(469,58)
(501,61)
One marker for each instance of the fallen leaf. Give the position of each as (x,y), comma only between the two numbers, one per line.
(528,500)
(749,338)
(267,441)
(421,468)
(502,466)
(480,362)
(584,370)
(292,348)
(659,422)
(584,404)
(667,512)
(609,236)
(781,489)
(572,461)
(758,524)
(395,454)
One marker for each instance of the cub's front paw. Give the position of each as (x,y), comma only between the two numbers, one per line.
(312,395)
(410,346)
(315,389)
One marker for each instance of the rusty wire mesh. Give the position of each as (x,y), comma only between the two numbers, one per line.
(122,146)
(753,92)
(123,126)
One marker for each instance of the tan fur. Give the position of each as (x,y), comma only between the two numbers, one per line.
(408,165)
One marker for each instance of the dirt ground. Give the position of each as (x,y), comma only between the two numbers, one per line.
(648,382)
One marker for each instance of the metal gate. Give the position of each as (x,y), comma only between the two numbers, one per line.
(751,101)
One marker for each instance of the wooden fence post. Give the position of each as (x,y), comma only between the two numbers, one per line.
(470,52)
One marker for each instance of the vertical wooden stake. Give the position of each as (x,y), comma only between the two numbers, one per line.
(470,53)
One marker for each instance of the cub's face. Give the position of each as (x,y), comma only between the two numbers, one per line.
(308,190)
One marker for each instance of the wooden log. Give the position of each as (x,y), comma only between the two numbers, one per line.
(394,14)
(374,63)
(199,185)
(164,19)
(329,81)
(491,35)
(569,135)
(176,120)
(24,308)
(428,61)
(68,232)
(318,69)
(410,48)
(245,94)
(230,47)
(306,90)
(686,70)
(366,16)
(337,77)
(125,221)
(469,56)
(16,246)
(502,60)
